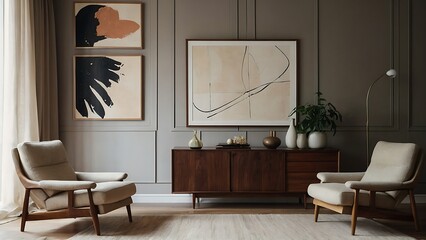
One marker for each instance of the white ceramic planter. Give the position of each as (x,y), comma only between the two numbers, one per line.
(317,140)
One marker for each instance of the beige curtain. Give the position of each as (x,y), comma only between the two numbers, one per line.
(29,88)
(46,70)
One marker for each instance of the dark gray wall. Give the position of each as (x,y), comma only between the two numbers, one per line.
(343,47)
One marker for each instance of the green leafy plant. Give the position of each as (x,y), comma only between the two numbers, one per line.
(321,117)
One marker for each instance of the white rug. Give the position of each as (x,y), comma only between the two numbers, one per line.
(238,226)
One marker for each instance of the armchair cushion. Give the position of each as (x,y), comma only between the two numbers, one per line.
(375,186)
(339,177)
(340,195)
(333,193)
(46,161)
(391,162)
(104,193)
(66,185)
(101,176)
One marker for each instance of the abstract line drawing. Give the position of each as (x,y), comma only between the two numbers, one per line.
(241,83)
(108,25)
(108,87)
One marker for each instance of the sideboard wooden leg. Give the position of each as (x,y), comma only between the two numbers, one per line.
(193,200)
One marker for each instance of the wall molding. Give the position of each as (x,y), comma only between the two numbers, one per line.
(187,198)
(411,126)
(392,123)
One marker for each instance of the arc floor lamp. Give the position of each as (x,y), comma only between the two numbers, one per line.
(391,74)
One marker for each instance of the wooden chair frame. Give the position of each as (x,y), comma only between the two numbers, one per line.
(371,211)
(69,212)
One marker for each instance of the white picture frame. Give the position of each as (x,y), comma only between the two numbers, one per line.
(241,83)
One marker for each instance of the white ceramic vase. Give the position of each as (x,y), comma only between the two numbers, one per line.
(317,140)
(302,140)
(195,143)
(291,136)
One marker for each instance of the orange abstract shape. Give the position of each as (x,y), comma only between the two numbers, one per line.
(111,26)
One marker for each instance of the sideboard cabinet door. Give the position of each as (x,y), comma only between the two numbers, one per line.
(200,171)
(258,171)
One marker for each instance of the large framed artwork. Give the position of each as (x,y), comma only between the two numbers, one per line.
(108,88)
(105,25)
(241,83)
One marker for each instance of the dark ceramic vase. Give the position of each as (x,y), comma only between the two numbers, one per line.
(272,141)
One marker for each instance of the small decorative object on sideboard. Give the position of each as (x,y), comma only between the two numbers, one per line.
(239,140)
(291,136)
(195,143)
(235,142)
(316,120)
(272,141)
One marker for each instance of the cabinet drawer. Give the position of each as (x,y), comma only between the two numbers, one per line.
(311,156)
(314,167)
(299,182)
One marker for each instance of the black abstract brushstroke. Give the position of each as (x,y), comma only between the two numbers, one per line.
(237,100)
(242,68)
(85,25)
(94,74)
(248,76)
(246,94)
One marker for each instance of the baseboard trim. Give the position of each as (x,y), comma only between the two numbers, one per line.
(187,198)
(162,198)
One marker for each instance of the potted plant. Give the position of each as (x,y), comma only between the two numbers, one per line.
(316,120)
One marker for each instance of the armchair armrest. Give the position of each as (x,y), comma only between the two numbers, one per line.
(378,186)
(66,185)
(101,176)
(339,177)
(29,184)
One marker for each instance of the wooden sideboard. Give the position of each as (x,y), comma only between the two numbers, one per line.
(210,172)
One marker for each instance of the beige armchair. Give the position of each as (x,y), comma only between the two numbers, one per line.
(390,177)
(43,169)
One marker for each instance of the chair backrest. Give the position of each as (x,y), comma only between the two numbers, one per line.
(45,161)
(393,162)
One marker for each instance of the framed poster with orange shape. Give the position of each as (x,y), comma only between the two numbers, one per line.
(108,25)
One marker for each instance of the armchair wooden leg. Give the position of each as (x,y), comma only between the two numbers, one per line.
(354,212)
(94,213)
(25,209)
(129,213)
(414,210)
(316,212)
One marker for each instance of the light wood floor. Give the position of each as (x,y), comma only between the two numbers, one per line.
(65,228)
